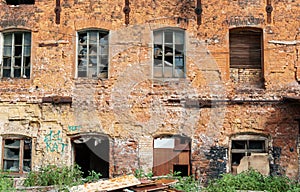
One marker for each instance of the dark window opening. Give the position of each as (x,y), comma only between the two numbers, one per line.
(20,2)
(242,148)
(92,154)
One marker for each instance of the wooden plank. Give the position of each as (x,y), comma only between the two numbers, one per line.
(184,158)
(149,188)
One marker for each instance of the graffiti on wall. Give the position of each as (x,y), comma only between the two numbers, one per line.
(54,142)
(74,128)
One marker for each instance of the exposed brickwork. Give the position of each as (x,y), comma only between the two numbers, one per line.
(130,107)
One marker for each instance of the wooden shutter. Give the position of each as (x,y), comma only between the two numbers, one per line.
(245,49)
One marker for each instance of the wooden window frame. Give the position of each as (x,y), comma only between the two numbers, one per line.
(164,60)
(84,60)
(20,158)
(9,55)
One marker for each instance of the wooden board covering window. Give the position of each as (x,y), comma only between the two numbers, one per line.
(245,48)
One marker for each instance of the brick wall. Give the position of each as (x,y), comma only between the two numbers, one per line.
(131,107)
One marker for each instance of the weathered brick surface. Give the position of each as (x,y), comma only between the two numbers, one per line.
(130,107)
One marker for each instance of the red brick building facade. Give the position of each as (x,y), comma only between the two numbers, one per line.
(200,87)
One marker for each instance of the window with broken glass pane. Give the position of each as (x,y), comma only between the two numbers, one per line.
(92,54)
(168,54)
(17,155)
(15,60)
(241,148)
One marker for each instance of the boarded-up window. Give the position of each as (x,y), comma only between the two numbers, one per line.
(245,48)
(246,57)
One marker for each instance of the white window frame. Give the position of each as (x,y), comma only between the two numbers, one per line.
(104,74)
(155,66)
(13,56)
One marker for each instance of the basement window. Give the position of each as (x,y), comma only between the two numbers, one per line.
(246,55)
(92,54)
(245,146)
(19,2)
(168,53)
(16,155)
(15,55)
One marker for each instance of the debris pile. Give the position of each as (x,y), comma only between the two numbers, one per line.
(128,183)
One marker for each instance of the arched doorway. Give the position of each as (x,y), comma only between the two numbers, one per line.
(91,153)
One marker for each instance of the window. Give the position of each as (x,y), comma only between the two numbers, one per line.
(16,53)
(246,55)
(168,53)
(245,146)
(19,2)
(245,48)
(241,148)
(92,54)
(17,155)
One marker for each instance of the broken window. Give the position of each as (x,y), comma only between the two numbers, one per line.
(92,54)
(17,154)
(19,2)
(246,56)
(15,60)
(168,54)
(245,146)
(91,153)
(172,154)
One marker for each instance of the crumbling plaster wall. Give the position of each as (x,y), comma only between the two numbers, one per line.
(130,107)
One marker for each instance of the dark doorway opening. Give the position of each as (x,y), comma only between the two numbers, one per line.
(92,154)
(183,170)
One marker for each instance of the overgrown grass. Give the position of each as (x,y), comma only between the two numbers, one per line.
(188,183)
(6,182)
(252,180)
(64,176)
